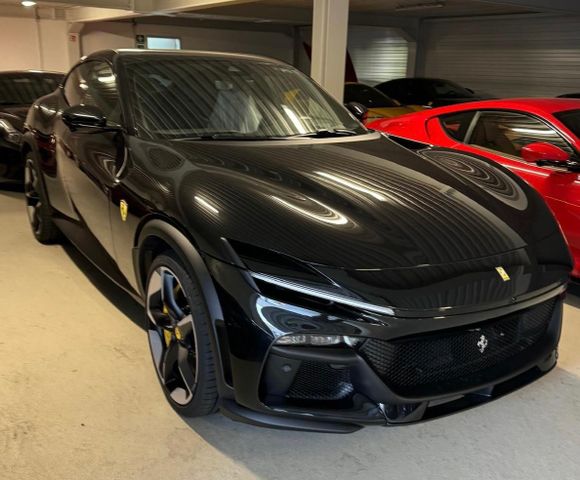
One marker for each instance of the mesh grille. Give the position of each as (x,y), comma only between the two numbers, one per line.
(429,363)
(319,381)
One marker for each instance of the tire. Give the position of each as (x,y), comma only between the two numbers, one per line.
(37,206)
(179,335)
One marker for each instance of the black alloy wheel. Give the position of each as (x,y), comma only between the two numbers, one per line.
(179,338)
(37,207)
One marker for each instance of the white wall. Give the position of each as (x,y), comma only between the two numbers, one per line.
(104,35)
(30,44)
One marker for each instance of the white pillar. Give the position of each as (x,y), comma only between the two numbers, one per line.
(329,34)
(74,42)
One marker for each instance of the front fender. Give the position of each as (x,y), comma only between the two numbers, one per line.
(172,237)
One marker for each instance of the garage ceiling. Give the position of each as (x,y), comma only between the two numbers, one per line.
(289,12)
(408,7)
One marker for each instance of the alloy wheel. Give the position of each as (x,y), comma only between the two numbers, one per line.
(172,335)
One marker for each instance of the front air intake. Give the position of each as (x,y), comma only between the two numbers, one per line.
(451,360)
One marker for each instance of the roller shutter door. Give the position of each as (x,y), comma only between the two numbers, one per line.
(505,56)
(378,54)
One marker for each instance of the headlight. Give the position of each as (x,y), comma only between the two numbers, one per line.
(9,132)
(323,294)
(318,340)
(286,273)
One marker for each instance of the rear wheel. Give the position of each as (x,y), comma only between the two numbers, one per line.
(37,207)
(179,337)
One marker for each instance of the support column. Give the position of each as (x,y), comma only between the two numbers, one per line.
(74,42)
(329,35)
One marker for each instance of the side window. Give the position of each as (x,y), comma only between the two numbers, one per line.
(94,83)
(457,124)
(508,132)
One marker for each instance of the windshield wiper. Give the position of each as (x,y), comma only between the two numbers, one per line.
(325,133)
(228,136)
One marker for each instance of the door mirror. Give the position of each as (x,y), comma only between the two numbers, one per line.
(543,151)
(358,110)
(84,116)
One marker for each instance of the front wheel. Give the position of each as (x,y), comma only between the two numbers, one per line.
(37,207)
(179,337)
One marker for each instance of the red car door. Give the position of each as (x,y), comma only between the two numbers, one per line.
(500,135)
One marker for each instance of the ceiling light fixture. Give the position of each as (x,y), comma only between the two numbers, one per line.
(28,3)
(420,6)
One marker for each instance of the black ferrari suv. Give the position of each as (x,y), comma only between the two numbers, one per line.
(296,270)
(18,90)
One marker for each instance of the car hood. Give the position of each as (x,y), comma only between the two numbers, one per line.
(356,203)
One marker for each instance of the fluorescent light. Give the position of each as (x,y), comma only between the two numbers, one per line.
(28,3)
(420,6)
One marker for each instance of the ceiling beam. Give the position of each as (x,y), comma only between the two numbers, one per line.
(169,6)
(560,6)
(92,14)
(104,10)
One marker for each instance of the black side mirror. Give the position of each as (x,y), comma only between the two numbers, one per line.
(84,116)
(358,110)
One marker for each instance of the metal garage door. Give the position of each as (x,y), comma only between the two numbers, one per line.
(378,54)
(506,56)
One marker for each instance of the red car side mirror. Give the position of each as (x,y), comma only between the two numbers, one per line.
(538,151)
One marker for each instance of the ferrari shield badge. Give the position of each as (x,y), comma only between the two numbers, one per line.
(503,274)
(123,209)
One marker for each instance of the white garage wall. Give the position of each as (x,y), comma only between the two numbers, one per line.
(523,55)
(103,35)
(22,49)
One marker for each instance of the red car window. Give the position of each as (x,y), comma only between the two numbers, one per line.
(509,132)
(456,124)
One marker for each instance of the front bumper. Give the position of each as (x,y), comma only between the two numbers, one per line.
(340,389)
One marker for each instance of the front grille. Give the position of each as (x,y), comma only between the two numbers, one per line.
(450,360)
(320,381)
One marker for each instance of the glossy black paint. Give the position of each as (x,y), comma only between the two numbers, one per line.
(418,232)
(14,112)
(422,91)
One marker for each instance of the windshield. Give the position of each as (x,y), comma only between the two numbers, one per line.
(24,89)
(370,97)
(447,89)
(571,119)
(204,97)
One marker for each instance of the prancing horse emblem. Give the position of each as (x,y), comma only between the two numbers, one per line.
(482,344)
(124,209)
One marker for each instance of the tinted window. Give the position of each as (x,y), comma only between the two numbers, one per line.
(447,89)
(571,119)
(24,89)
(93,83)
(370,97)
(193,97)
(508,132)
(456,124)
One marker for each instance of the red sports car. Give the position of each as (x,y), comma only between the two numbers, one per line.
(538,139)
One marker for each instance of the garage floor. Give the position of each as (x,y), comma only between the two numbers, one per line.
(79,399)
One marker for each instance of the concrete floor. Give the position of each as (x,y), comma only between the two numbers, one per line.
(79,399)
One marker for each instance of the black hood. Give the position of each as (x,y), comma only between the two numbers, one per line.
(412,231)
(352,204)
